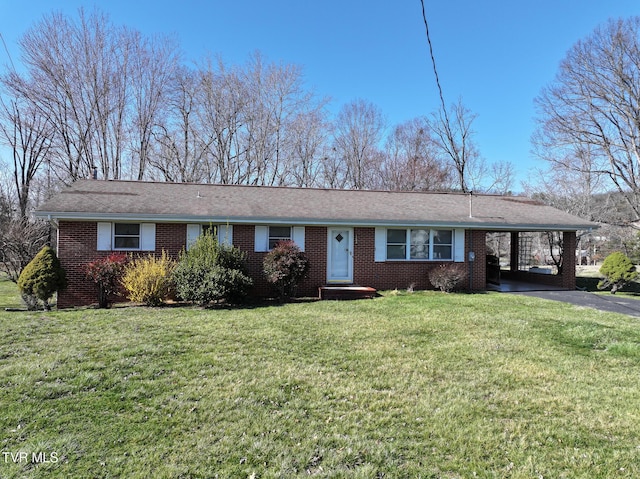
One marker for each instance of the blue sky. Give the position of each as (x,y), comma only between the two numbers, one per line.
(495,55)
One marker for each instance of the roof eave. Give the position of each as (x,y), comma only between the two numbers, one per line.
(473,225)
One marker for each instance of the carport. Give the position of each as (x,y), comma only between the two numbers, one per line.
(519,273)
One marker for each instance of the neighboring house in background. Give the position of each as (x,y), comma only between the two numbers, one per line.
(379,239)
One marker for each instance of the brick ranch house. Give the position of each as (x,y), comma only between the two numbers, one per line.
(378,239)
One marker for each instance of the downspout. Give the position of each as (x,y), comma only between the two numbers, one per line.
(53,223)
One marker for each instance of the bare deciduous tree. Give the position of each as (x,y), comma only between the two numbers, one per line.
(28,135)
(593,106)
(275,99)
(100,86)
(153,67)
(70,80)
(358,132)
(222,98)
(20,241)
(411,160)
(501,176)
(454,134)
(308,147)
(181,152)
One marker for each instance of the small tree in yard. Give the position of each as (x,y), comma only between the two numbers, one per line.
(148,280)
(447,277)
(618,270)
(284,267)
(41,278)
(210,271)
(106,274)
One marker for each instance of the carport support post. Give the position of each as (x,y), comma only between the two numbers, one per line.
(515,251)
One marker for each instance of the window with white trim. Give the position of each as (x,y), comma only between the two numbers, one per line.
(277,234)
(419,244)
(223,233)
(126,236)
(442,244)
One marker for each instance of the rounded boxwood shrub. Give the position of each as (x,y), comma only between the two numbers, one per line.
(209,271)
(41,278)
(284,267)
(618,270)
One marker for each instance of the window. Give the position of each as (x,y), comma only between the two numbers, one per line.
(419,244)
(266,237)
(396,244)
(224,233)
(277,234)
(442,244)
(126,236)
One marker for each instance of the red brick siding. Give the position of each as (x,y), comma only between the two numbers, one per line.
(403,274)
(476,241)
(77,243)
(77,247)
(315,248)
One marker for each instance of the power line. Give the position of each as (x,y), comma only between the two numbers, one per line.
(433,62)
(7,50)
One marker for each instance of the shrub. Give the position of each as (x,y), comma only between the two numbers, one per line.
(446,277)
(41,278)
(618,270)
(284,267)
(106,274)
(210,271)
(148,280)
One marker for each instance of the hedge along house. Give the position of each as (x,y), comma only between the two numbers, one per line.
(378,239)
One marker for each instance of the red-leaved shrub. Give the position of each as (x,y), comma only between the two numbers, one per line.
(106,274)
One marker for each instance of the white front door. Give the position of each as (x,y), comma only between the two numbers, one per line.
(340,252)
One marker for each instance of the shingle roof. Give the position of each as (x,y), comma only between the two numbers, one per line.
(187,202)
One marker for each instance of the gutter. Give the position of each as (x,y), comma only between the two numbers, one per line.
(470,225)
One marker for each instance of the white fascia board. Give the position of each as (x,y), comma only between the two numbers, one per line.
(475,225)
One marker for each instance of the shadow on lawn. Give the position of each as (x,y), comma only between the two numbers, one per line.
(591,285)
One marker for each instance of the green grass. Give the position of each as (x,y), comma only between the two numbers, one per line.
(9,295)
(409,385)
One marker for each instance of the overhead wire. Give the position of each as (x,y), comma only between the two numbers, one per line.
(433,63)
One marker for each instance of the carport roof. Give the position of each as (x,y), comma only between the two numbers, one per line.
(189,202)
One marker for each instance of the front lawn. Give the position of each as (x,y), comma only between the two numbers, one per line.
(410,385)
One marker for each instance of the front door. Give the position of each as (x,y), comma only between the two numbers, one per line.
(340,252)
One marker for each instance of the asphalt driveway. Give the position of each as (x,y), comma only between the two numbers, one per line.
(609,302)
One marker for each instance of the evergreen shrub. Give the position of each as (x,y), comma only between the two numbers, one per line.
(41,278)
(209,271)
(618,270)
